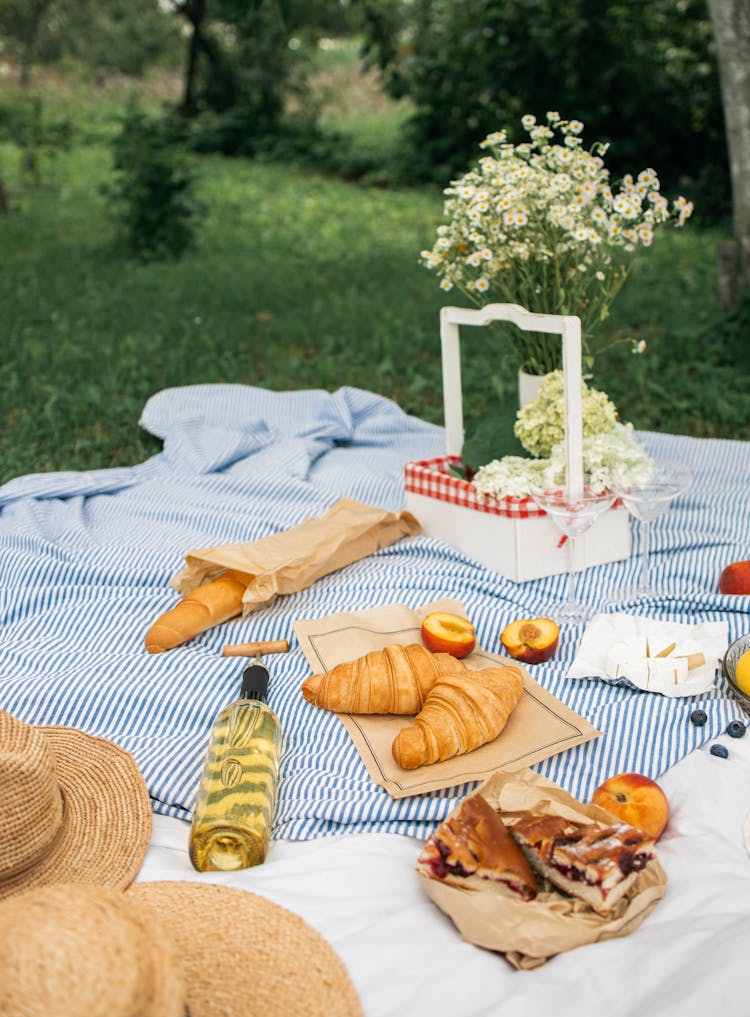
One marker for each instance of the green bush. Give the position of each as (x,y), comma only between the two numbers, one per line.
(39,136)
(296,142)
(126,36)
(245,63)
(154,190)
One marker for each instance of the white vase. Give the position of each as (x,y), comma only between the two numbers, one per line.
(528,387)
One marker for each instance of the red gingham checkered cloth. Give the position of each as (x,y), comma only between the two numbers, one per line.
(431,477)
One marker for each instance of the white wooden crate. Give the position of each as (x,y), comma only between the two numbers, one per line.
(509,535)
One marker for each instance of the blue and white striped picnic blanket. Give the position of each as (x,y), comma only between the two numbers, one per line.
(85,560)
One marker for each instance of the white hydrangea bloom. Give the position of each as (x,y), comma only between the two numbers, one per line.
(611,458)
(510,477)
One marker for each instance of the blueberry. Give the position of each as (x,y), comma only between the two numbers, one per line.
(699,717)
(736,729)
(720,750)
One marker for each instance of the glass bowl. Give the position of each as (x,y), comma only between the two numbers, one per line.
(729,664)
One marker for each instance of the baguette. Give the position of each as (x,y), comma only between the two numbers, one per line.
(394,680)
(206,606)
(463,711)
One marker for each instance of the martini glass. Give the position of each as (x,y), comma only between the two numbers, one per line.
(647,501)
(573,513)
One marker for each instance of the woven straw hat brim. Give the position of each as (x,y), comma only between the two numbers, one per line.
(244,954)
(86,951)
(106,819)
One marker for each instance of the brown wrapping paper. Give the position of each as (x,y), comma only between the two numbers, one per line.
(530,932)
(289,561)
(539,727)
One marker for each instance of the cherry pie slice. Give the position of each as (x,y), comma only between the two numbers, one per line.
(591,861)
(473,849)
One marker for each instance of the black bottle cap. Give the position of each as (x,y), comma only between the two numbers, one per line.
(255,683)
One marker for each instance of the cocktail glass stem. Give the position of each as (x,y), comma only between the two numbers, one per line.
(645,583)
(571,605)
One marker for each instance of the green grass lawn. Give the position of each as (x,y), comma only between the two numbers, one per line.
(297,281)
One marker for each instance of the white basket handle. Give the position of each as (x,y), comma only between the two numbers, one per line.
(566,326)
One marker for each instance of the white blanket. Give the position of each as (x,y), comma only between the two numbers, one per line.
(688,958)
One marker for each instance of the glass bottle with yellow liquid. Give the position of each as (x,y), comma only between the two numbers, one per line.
(237,793)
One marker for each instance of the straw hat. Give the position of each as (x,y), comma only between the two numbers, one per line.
(85,950)
(73,808)
(165,950)
(243,954)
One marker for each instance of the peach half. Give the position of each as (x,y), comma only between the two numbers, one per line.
(531,640)
(443,632)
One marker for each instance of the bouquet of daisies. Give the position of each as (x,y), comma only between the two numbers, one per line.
(539,224)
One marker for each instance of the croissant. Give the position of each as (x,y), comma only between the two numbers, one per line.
(462,712)
(394,680)
(208,605)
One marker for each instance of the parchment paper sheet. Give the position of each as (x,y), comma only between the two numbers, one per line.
(291,560)
(539,727)
(528,933)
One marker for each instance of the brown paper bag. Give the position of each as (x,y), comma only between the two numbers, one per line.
(530,932)
(539,727)
(289,561)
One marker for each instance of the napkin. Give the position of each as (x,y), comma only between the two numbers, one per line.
(610,640)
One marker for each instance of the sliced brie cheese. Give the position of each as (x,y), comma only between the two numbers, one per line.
(692,652)
(629,659)
(671,670)
(636,669)
(625,650)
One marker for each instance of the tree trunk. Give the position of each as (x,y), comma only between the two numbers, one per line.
(30,40)
(195,13)
(731,22)
(27,61)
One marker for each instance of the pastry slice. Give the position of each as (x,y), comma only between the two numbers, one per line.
(472,849)
(591,861)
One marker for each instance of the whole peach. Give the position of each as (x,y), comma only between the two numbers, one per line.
(636,800)
(735,578)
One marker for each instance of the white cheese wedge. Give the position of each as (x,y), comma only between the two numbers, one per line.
(665,651)
(659,643)
(671,670)
(636,669)
(622,651)
(615,656)
(692,652)
(694,660)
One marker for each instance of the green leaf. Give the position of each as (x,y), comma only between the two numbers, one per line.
(492,438)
